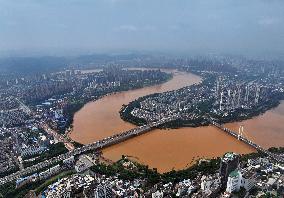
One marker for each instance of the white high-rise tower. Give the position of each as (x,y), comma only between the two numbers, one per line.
(221,101)
(257,91)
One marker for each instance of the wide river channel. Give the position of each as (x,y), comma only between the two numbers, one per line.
(174,148)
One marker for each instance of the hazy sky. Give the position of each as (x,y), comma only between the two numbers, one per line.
(164,25)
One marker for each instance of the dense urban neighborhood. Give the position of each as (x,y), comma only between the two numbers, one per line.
(228,92)
(38,158)
(141,98)
(252,175)
(37,110)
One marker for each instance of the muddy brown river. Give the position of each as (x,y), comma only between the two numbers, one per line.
(175,148)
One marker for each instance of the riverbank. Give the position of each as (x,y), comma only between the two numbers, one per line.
(99,119)
(238,116)
(128,170)
(77,104)
(196,113)
(174,148)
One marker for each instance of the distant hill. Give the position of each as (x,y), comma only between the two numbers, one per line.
(37,65)
(30,65)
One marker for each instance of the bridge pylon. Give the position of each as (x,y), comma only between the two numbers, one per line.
(241,131)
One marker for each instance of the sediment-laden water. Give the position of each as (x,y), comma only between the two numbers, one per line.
(175,148)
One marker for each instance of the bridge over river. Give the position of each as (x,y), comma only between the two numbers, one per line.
(108,141)
(240,137)
(117,138)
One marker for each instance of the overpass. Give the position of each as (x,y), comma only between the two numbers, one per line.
(108,141)
(277,158)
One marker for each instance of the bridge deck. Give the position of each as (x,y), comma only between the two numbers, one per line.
(117,138)
(108,141)
(276,157)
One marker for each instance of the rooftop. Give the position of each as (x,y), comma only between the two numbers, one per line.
(234,173)
(229,156)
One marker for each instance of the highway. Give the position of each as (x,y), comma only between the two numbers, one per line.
(56,135)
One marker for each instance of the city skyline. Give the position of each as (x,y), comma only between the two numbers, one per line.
(142,98)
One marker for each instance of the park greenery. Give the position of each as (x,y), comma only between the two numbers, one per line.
(152,176)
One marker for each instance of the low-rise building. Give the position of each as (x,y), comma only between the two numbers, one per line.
(158,194)
(103,191)
(83,164)
(32,150)
(69,161)
(24,180)
(248,179)
(210,184)
(49,172)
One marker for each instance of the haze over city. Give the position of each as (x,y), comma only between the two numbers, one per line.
(73,27)
(141,98)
